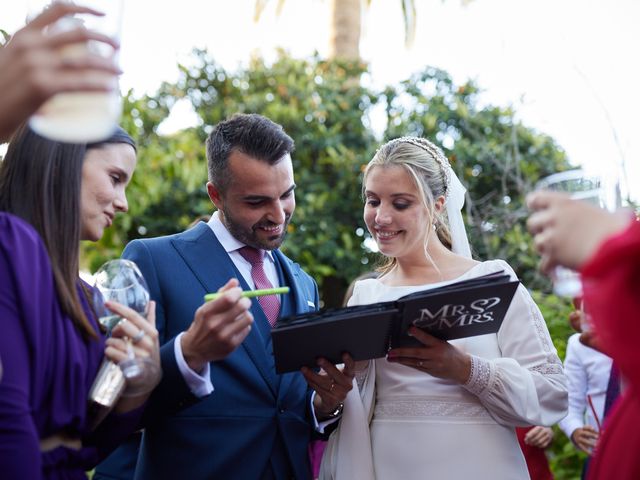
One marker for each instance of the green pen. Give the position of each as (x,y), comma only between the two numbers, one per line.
(251,293)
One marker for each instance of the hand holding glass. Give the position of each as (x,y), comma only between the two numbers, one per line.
(596,189)
(82,117)
(121,281)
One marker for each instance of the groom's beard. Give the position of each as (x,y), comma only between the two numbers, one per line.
(250,236)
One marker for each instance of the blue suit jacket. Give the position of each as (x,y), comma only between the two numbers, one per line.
(256,424)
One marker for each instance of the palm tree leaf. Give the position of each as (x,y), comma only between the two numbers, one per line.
(259,8)
(409,17)
(6,37)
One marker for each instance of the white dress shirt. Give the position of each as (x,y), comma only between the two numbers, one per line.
(588,373)
(199,383)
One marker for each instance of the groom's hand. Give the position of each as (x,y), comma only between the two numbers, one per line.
(331,384)
(218,328)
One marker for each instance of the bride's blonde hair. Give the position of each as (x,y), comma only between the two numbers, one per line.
(428,167)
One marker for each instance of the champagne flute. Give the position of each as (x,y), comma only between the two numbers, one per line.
(121,281)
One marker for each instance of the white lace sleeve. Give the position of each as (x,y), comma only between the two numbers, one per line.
(527,385)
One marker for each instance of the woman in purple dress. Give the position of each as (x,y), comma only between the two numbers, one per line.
(52,195)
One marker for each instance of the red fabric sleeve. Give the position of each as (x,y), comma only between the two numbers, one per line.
(611,283)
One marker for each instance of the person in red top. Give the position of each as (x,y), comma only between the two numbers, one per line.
(605,247)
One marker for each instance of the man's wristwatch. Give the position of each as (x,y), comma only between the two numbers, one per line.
(335,413)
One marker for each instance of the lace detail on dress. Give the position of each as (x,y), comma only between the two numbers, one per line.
(548,369)
(425,408)
(480,376)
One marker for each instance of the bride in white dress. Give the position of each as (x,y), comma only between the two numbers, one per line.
(446,410)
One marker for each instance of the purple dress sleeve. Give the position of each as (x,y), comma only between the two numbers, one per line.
(48,368)
(22,261)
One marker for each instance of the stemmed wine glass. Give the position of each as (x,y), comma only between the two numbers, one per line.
(121,281)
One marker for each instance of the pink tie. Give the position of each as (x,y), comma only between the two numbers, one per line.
(270,303)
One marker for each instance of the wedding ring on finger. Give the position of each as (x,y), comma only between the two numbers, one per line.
(420,363)
(138,336)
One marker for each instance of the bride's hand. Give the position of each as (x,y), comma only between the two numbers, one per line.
(435,357)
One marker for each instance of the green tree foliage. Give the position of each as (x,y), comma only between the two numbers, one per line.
(318,104)
(327,110)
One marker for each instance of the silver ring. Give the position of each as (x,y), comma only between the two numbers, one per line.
(419,363)
(138,336)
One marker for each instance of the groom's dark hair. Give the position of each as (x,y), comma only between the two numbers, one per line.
(252,134)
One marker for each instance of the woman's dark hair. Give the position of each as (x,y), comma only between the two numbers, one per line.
(40,182)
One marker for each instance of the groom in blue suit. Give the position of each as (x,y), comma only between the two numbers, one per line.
(256,424)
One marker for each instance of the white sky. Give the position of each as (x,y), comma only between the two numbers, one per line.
(569,67)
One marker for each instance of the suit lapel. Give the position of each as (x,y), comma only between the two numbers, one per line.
(211,265)
(205,257)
